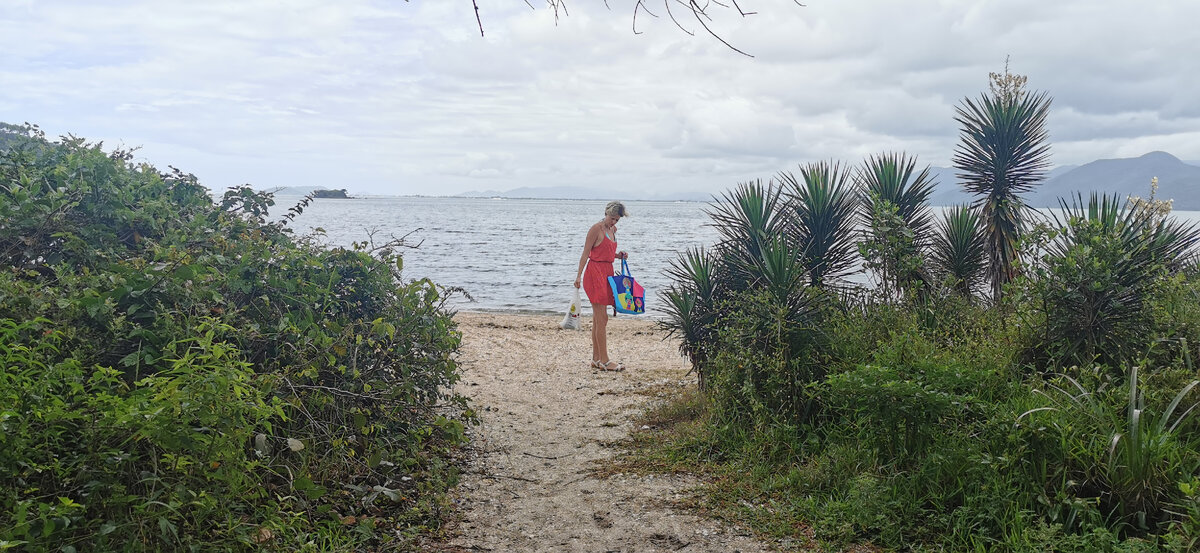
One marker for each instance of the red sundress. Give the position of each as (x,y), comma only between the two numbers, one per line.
(599,268)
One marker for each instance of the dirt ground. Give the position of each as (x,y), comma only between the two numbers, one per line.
(548,421)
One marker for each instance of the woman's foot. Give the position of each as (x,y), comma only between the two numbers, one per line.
(596,364)
(611,366)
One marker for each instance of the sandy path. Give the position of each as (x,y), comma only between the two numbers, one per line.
(547,422)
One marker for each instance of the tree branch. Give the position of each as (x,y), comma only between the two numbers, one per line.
(699,9)
(477,19)
(715,35)
(667,5)
(641,4)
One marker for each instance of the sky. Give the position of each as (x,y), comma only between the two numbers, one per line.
(396,98)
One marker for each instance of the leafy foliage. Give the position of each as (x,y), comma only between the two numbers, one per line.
(1130,459)
(178,373)
(889,248)
(1098,273)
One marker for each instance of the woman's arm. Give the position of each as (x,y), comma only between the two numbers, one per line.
(587,248)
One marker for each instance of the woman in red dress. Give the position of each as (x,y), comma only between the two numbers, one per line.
(599,251)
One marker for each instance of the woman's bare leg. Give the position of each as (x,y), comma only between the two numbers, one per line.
(599,333)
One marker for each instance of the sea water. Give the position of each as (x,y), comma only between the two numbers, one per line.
(510,254)
(521,255)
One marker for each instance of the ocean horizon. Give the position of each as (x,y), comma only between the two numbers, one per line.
(517,255)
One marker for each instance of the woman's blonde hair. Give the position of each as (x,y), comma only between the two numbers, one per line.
(615,208)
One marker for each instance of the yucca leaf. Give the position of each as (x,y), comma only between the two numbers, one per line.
(892,177)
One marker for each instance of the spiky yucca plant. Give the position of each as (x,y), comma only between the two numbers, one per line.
(895,204)
(746,218)
(690,306)
(823,217)
(780,318)
(958,253)
(893,177)
(1099,271)
(1002,153)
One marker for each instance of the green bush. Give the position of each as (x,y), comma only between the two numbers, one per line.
(914,416)
(769,362)
(180,373)
(924,431)
(1095,280)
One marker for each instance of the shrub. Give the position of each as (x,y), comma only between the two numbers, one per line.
(1097,275)
(182,373)
(770,346)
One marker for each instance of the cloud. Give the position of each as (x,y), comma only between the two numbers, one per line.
(386,97)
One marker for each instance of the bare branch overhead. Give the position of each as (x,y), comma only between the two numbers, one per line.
(698,8)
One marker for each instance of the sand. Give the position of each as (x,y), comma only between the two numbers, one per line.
(549,421)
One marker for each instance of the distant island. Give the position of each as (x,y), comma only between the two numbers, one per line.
(339,193)
(315,191)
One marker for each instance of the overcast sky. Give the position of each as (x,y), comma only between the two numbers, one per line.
(391,97)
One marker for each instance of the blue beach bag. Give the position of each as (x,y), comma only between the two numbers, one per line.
(628,295)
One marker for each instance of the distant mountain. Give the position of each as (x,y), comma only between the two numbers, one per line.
(947,191)
(1060,170)
(546,192)
(1177,180)
(1124,177)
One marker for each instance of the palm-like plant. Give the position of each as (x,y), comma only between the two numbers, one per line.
(1099,271)
(780,276)
(895,203)
(823,209)
(958,253)
(1002,153)
(782,319)
(890,177)
(690,305)
(746,218)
